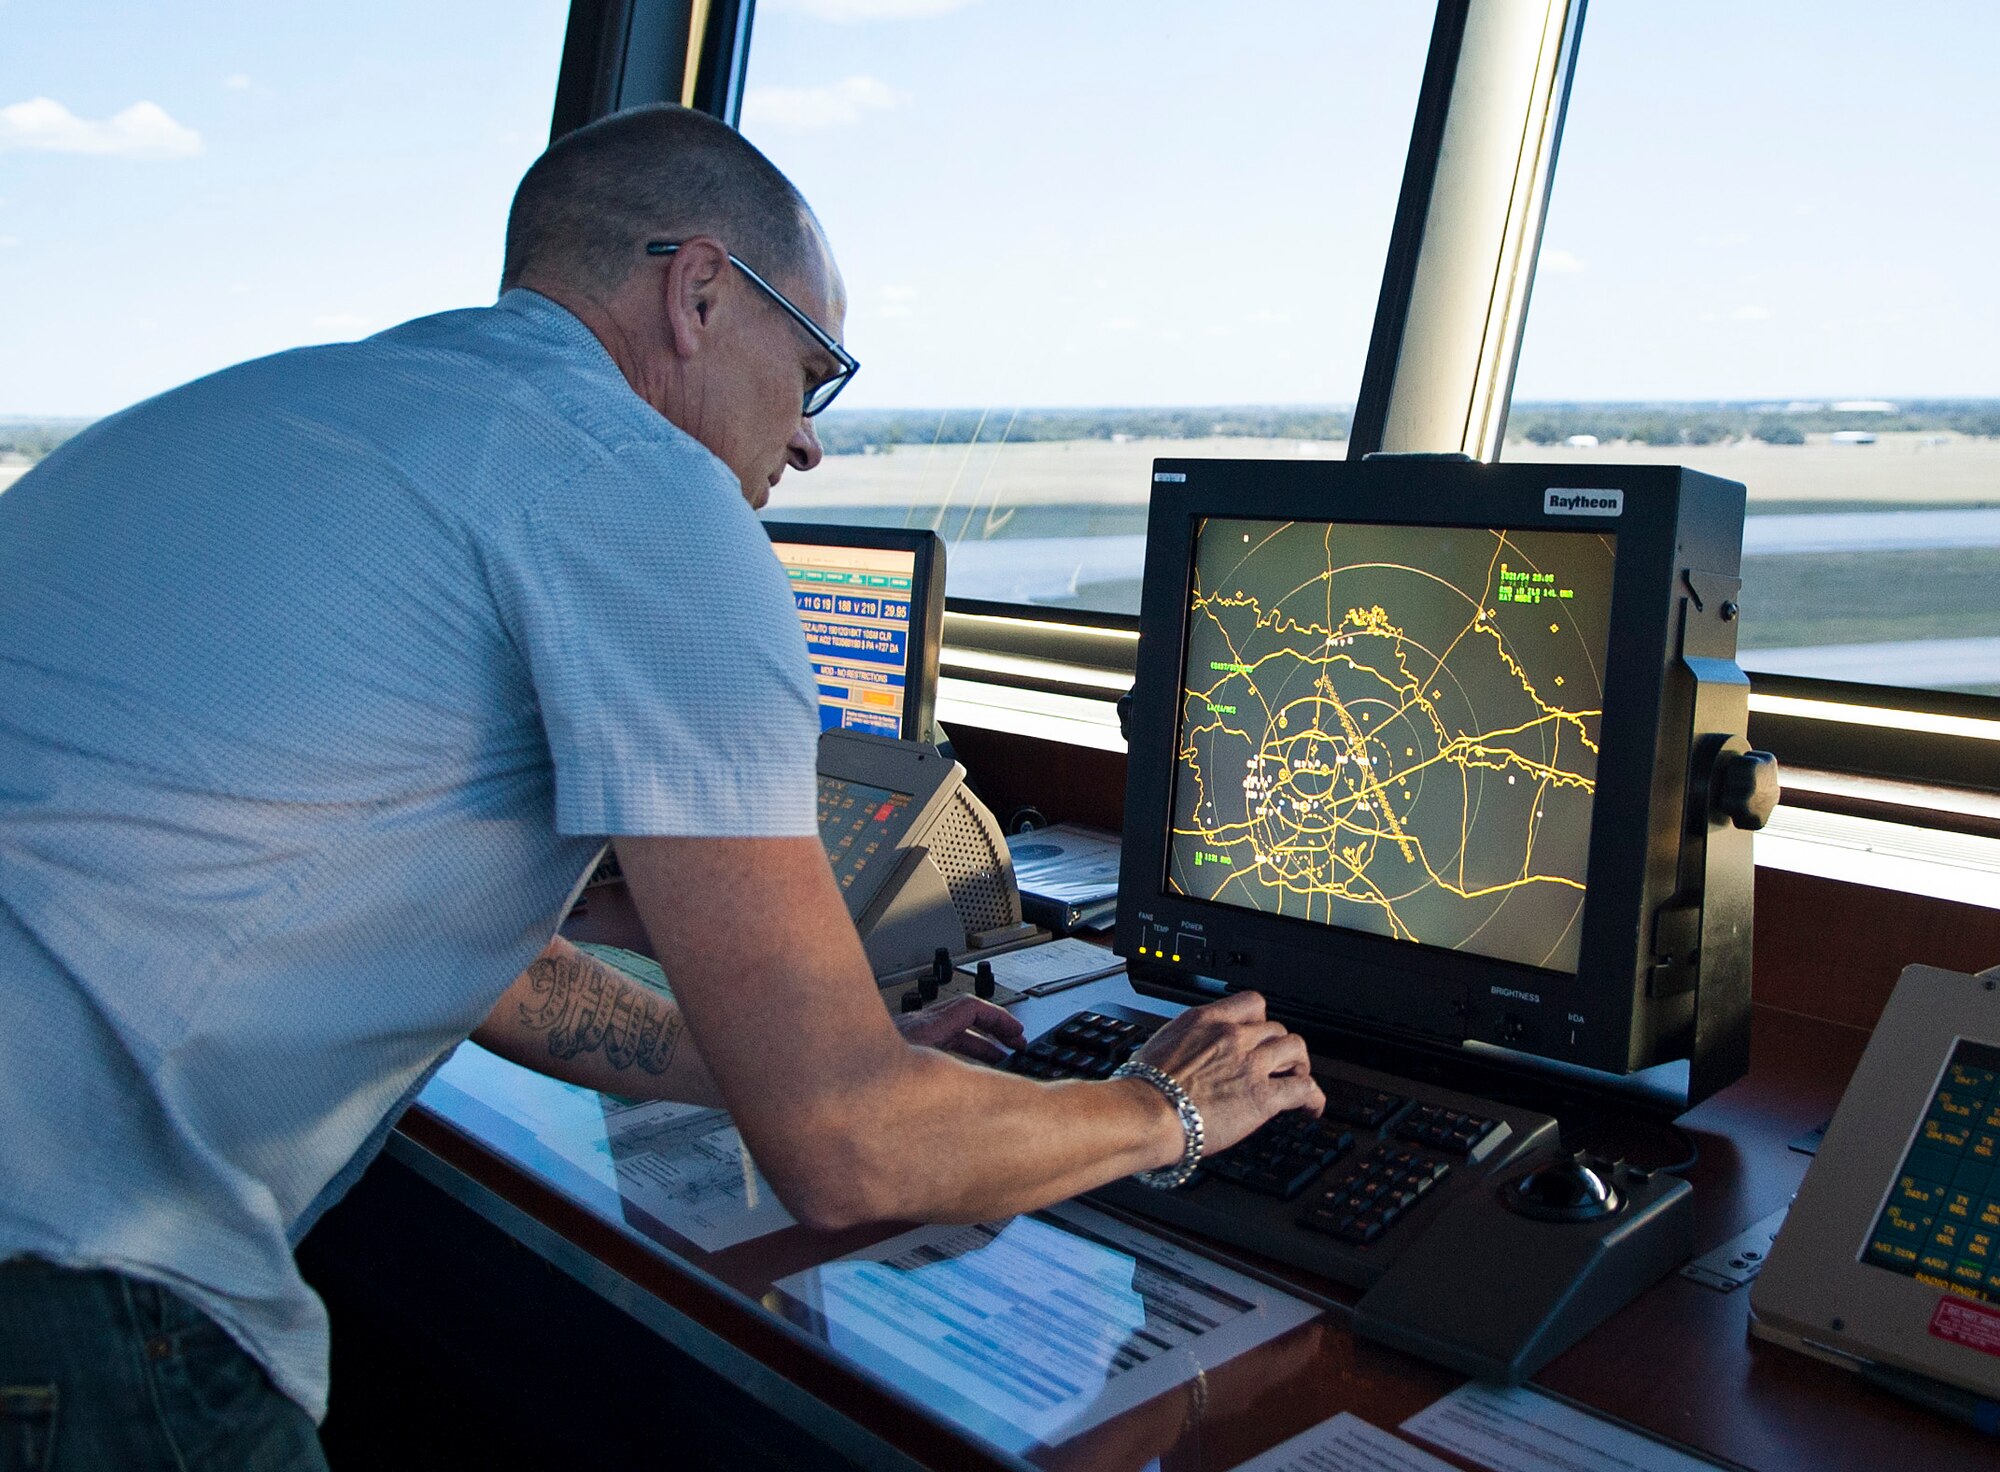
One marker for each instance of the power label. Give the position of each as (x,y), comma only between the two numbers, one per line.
(1973,1325)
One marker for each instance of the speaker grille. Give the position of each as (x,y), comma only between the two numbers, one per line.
(977,868)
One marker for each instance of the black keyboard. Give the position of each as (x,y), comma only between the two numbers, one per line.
(1340,1195)
(1088,1045)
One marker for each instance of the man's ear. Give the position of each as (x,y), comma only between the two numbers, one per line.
(693,285)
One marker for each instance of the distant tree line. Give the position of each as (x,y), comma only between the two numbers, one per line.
(858,430)
(1708,424)
(846,432)
(34,438)
(855,431)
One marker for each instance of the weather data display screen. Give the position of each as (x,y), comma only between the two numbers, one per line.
(1394,729)
(855,605)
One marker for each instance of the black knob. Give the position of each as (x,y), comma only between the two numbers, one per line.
(982,981)
(934,980)
(913,1000)
(1746,789)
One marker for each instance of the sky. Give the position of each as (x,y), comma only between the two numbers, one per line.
(1144,202)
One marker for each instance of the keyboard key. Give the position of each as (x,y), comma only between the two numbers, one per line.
(1358,1104)
(1445,1129)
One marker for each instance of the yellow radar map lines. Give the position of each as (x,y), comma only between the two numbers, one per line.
(1394,729)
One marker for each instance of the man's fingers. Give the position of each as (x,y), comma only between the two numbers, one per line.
(976,1045)
(948,1023)
(996,1021)
(1237,1007)
(1295,1091)
(1284,1052)
(1256,1035)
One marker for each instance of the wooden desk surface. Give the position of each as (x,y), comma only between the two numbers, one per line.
(1678,1362)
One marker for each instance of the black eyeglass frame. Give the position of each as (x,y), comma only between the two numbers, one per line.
(820,394)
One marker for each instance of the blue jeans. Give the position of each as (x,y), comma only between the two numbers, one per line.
(99,1371)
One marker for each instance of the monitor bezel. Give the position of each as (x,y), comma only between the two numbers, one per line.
(1357,980)
(926,603)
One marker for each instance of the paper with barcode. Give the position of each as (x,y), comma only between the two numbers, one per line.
(1519,1429)
(1345,1443)
(1031,1330)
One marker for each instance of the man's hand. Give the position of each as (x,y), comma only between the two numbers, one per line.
(1237,1066)
(848,1121)
(964,1025)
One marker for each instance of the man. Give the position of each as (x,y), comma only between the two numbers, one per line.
(323,678)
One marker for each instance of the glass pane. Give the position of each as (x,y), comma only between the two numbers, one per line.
(1768,256)
(189,186)
(1078,237)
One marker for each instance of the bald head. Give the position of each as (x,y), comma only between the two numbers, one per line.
(587,207)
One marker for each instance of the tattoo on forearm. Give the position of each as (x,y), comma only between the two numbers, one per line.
(584,1005)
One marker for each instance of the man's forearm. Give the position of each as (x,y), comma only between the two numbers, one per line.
(848,1121)
(574,1018)
(941,1139)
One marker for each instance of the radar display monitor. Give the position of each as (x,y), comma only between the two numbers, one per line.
(872,603)
(1394,729)
(1439,750)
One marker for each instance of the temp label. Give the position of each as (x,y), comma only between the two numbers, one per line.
(1971,1324)
(1568,502)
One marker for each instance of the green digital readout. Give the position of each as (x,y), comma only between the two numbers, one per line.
(1941,1225)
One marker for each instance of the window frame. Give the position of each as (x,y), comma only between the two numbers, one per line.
(1438,375)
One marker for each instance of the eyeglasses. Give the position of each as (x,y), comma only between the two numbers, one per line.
(820,394)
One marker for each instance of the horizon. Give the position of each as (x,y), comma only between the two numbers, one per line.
(1770,403)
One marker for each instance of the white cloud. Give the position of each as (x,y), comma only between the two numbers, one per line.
(342,322)
(1752,314)
(836,106)
(1563,263)
(142,130)
(7,240)
(237,83)
(847,11)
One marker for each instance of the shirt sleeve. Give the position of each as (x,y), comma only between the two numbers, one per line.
(665,651)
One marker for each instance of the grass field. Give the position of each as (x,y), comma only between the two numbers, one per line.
(1060,490)
(1898,470)
(1068,491)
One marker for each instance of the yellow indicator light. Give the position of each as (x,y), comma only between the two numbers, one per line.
(1177,958)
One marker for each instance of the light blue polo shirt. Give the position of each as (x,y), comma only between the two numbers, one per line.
(321,681)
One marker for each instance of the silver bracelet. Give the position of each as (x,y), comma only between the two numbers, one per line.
(1167,1177)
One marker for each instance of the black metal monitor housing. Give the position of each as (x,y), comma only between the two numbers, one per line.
(926,635)
(1663,964)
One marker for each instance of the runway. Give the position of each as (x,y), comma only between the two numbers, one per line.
(1931,662)
(1785,534)
(1050,569)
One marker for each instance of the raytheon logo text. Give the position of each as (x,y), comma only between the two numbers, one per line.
(1565,501)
